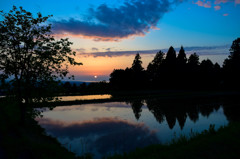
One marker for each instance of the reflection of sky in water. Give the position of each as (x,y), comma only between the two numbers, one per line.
(112,127)
(84,97)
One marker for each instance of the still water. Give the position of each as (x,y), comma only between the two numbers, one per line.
(117,127)
(84,97)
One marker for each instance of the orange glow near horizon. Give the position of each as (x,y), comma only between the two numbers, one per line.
(103,66)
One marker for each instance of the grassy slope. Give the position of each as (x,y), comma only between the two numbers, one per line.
(225,144)
(28,142)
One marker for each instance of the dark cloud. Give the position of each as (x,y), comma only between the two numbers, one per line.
(81,50)
(201,50)
(94,49)
(108,49)
(133,18)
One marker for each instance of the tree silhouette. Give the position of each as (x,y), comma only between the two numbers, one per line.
(171,55)
(31,55)
(130,78)
(235,50)
(206,74)
(137,64)
(154,69)
(231,66)
(154,66)
(193,60)
(181,58)
(181,72)
(169,69)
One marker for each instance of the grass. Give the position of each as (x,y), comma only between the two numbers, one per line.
(211,144)
(26,142)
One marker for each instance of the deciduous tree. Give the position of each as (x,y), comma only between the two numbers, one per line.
(30,55)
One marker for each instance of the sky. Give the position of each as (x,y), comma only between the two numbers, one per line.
(106,34)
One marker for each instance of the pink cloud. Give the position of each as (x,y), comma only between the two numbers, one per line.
(221,1)
(199,3)
(237,1)
(226,1)
(207,4)
(203,4)
(226,14)
(217,7)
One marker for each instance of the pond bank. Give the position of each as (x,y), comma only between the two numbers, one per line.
(26,142)
(165,96)
(210,144)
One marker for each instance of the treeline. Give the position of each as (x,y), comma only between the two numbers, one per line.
(176,71)
(68,88)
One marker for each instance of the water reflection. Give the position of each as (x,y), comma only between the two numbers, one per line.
(103,135)
(84,97)
(105,128)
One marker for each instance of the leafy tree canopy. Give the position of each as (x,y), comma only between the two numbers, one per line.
(30,54)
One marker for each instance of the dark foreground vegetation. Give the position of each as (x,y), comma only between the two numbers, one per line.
(210,144)
(26,142)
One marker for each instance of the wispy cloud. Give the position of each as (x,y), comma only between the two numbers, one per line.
(221,1)
(81,50)
(211,50)
(133,18)
(217,3)
(205,4)
(94,49)
(217,7)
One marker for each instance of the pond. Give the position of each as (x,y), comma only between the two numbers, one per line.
(117,127)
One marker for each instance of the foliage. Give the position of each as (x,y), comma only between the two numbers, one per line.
(154,67)
(171,56)
(31,55)
(130,78)
(181,58)
(231,66)
(172,72)
(137,64)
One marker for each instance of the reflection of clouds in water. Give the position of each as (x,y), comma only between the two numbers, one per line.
(106,134)
(94,109)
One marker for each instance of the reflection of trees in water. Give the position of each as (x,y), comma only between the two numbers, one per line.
(136,107)
(172,112)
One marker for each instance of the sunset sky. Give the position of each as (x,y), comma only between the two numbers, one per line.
(108,33)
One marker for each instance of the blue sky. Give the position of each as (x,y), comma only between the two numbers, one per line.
(180,23)
(134,25)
